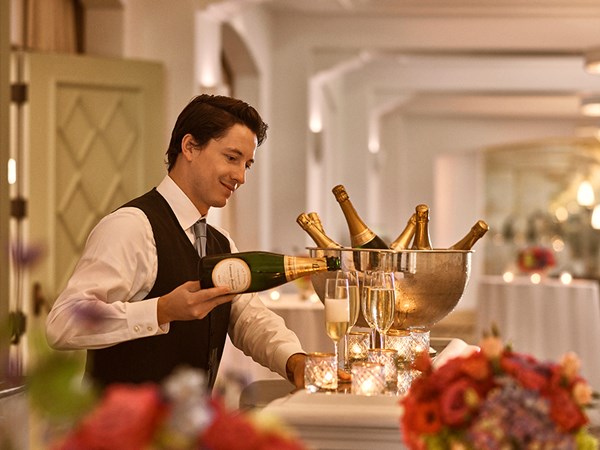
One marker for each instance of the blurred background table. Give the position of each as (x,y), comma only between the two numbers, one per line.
(545,320)
(305,317)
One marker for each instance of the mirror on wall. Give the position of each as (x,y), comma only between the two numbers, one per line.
(543,196)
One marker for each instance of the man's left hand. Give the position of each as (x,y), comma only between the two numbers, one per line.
(295,369)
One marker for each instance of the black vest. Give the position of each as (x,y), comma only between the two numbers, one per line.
(195,343)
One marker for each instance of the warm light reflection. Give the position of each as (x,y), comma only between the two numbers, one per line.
(596,218)
(561,213)
(535,278)
(508,276)
(558,245)
(12,171)
(591,107)
(207,47)
(275,295)
(314,298)
(585,194)
(566,278)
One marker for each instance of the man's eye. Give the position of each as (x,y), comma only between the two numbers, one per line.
(248,166)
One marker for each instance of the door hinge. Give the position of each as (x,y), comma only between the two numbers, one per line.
(18,208)
(19,93)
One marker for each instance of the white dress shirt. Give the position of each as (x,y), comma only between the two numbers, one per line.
(118,269)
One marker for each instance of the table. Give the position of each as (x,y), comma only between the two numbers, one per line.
(341,421)
(545,320)
(306,318)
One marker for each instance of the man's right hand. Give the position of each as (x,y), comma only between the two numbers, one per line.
(189,302)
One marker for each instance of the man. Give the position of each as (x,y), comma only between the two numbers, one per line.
(132,301)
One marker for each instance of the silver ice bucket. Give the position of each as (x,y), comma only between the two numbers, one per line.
(429,283)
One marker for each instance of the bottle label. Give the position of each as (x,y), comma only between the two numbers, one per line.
(233,273)
(298,266)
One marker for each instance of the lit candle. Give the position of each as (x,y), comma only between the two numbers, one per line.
(368,378)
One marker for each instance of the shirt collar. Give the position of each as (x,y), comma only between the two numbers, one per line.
(185,211)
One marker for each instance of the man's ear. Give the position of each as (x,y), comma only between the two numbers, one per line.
(187,146)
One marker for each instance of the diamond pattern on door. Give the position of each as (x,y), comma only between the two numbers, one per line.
(97,168)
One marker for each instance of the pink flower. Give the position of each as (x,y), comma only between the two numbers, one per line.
(582,393)
(492,347)
(570,365)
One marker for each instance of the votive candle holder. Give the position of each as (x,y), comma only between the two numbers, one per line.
(358,346)
(368,378)
(389,358)
(421,339)
(320,372)
(403,342)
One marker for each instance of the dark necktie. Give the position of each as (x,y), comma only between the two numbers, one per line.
(200,234)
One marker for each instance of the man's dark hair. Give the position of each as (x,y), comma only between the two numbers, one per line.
(209,117)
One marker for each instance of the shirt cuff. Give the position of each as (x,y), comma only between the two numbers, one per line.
(141,319)
(282,354)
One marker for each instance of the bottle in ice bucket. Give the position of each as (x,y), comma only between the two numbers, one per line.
(422,241)
(475,233)
(317,220)
(403,240)
(316,233)
(258,271)
(361,236)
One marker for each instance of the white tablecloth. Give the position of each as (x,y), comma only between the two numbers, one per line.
(304,317)
(341,421)
(545,320)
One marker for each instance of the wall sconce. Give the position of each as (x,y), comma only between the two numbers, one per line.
(585,194)
(590,106)
(592,61)
(596,218)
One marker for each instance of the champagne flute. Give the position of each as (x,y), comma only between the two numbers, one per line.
(380,303)
(354,302)
(337,312)
(364,293)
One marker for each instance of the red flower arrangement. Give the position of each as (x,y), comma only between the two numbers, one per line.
(535,259)
(497,399)
(178,415)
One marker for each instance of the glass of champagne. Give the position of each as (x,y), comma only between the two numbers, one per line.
(337,312)
(381,302)
(354,302)
(364,292)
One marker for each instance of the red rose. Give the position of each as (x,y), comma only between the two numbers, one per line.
(565,412)
(230,431)
(526,370)
(458,401)
(421,417)
(125,419)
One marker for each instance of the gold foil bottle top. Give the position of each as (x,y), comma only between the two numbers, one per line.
(422,240)
(340,193)
(403,240)
(316,220)
(422,213)
(318,236)
(475,233)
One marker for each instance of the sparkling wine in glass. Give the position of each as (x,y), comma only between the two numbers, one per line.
(337,312)
(381,302)
(364,295)
(353,278)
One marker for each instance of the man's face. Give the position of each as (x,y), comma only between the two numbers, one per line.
(217,170)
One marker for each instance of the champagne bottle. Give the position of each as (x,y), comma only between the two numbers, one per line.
(361,236)
(317,221)
(422,241)
(257,271)
(403,239)
(475,233)
(317,235)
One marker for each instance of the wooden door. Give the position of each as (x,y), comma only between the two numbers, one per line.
(94,138)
